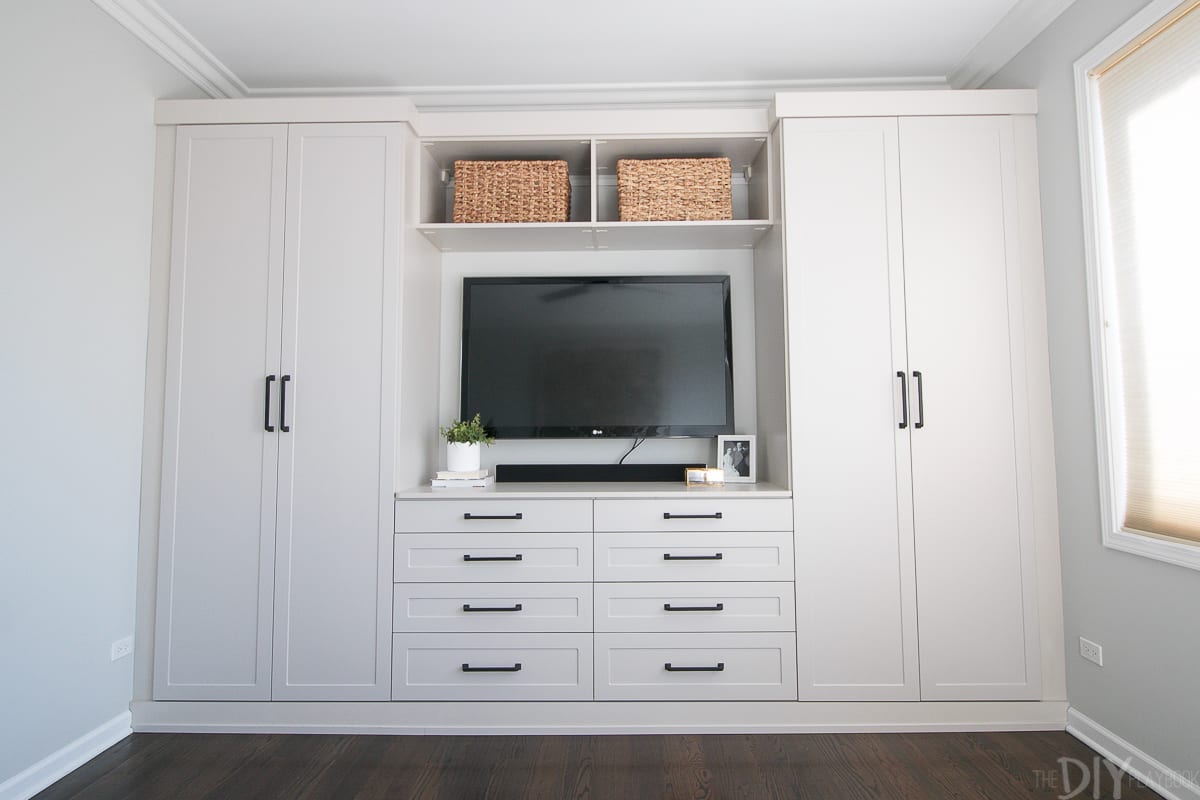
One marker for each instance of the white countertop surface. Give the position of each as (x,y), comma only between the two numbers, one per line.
(519,491)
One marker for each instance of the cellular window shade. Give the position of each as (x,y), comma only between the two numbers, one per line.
(1150,123)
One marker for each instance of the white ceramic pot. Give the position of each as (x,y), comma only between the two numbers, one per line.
(462,457)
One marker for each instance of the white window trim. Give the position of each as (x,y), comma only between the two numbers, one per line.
(1105,372)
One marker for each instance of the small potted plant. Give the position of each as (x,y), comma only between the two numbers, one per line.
(463,438)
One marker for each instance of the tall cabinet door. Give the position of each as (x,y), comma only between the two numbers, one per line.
(333,554)
(972,486)
(217,514)
(855,597)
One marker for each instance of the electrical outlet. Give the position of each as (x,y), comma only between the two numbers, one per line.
(1091,651)
(122,647)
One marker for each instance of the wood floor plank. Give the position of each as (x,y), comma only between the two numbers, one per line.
(943,766)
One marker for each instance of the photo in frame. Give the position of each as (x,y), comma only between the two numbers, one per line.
(737,456)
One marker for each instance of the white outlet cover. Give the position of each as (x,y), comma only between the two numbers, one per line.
(1091,651)
(122,648)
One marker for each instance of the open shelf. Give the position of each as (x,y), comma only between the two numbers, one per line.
(562,236)
(594,221)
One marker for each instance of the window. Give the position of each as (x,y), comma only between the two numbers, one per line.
(1139,112)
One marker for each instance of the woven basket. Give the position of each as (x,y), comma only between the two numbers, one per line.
(511,191)
(674,189)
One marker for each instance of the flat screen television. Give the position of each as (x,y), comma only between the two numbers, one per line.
(598,357)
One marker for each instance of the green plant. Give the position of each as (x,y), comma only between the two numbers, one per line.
(467,432)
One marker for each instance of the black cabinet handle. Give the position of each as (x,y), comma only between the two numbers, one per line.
(469,607)
(267,405)
(903,399)
(469,668)
(920,423)
(283,382)
(713,557)
(469,515)
(717,607)
(517,557)
(720,667)
(669,515)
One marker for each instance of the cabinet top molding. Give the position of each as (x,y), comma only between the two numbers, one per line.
(285,109)
(523,123)
(922,103)
(598,120)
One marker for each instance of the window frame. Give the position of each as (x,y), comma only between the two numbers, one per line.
(1106,377)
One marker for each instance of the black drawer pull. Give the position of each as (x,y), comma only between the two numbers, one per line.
(717,607)
(469,607)
(469,668)
(469,515)
(517,557)
(669,515)
(713,557)
(720,667)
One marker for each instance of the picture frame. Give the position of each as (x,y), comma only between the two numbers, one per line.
(737,455)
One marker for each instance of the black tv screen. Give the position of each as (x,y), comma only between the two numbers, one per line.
(598,357)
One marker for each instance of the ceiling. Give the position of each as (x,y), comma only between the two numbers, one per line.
(448,47)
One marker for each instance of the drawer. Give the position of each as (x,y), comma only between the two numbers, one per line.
(695,514)
(694,556)
(490,607)
(702,607)
(471,516)
(493,558)
(695,666)
(492,666)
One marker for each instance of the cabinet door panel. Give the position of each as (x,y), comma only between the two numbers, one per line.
(855,598)
(332,630)
(971,488)
(217,516)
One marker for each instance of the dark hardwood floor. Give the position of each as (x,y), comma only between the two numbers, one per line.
(999,766)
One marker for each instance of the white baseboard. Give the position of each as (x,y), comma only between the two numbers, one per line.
(58,764)
(566,718)
(1147,769)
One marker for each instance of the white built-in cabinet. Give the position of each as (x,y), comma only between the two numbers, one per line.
(912,477)
(902,407)
(276,515)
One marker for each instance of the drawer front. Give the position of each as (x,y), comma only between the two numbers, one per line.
(492,607)
(701,607)
(473,516)
(702,666)
(482,666)
(493,558)
(694,556)
(695,514)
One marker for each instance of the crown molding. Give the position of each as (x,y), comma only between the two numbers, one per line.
(1012,33)
(159,31)
(609,95)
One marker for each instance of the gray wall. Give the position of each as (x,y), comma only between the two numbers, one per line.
(76,174)
(1143,612)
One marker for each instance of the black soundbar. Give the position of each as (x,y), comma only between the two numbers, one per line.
(589,473)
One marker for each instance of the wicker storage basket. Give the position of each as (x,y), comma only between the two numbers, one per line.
(673,189)
(511,191)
